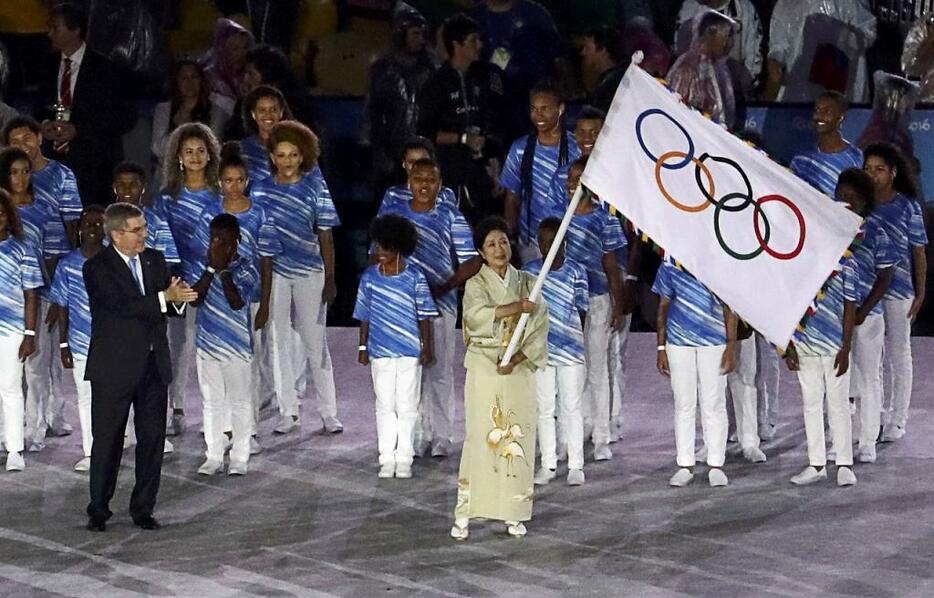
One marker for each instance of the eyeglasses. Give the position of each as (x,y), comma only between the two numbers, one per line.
(133,231)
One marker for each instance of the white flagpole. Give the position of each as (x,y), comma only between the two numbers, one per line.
(546,267)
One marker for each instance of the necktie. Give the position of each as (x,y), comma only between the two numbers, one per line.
(133,262)
(65,88)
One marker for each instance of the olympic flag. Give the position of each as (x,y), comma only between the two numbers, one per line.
(760,238)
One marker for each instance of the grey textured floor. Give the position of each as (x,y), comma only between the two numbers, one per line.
(311,518)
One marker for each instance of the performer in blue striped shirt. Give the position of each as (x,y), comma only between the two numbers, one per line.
(418,148)
(875,260)
(296,197)
(225,346)
(696,350)
(531,164)
(20,277)
(566,293)
(129,184)
(263,108)
(821,166)
(821,355)
(190,173)
(70,295)
(443,236)
(395,308)
(899,213)
(593,238)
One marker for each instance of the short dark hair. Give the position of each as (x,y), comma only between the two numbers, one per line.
(860,182)
(130,167)
(607,38)
(486,226)
(19,122)
(418,142)
(394,233)
(8,157)
(457,28)
(904,178)
(838,98)
(249,105)
(91,209)
(591,113)
(427,162)
(552,223)
(226,223)
(73,16)
(272,64)
(294,132)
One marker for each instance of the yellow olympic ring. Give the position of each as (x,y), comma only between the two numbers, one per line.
(661,186)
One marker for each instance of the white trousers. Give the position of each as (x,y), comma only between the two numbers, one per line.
(866,378)
(818,378)
(11,392)
(296,303)
(898,367)
(563,385)
(596,406)
(222,388)
(84,404)
(182,332)
(742,385)
(696,377)
(619,339)
(44,393)
(768,376)
(397,385)
(436,409)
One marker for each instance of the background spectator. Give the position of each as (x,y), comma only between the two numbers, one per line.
(602,53)
(225,64)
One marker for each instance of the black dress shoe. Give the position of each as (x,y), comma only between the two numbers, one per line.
(96,525)
(148,522)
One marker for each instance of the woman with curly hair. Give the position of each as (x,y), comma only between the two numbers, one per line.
(297,199)
(190,174)
(20,276)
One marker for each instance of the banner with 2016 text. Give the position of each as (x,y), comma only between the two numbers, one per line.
(760,238)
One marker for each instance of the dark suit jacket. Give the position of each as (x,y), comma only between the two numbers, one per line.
(125,323)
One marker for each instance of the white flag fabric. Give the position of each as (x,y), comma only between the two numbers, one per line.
(757,236)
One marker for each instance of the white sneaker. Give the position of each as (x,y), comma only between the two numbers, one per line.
(575,477)
(544,476)
(35,446)
(460,531)
(717,478)
(62,429)
(809,475)
(845,476)
(403,471)
(255,447)
(168,447)
(754,455)
(700,455)
(386,471)
(83,464)
(15,462)
(732,437)
(332,425)
(892,432)
(866,454)
(286,424)
(237,468)
(210,467)
(766,432)
(682,478)
(516,529)
(602,452)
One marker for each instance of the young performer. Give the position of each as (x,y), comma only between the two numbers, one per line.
(821,356)
(129,184)
(443,235)
(568,298)
(418,148)
(190,174)
(899,213)
(70,295)
(531,164)
(741,383)
(20,277)
(593,238)
(821,167)
(395,307)
(297,199)
(225,346)
(263,108)
(696,350)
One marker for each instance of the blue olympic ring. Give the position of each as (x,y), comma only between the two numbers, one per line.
(689,154)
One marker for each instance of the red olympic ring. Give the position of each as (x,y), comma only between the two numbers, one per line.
(801,224)
(660,163)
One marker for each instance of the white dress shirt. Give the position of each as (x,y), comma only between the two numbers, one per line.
(76,59)
(139,273)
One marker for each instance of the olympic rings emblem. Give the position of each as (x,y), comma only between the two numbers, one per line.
(722,204)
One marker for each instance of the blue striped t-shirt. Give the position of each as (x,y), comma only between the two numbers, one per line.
(821,169)
(903,222)
(225,333)
(875,253)
(566,294)
(19,271)
(182,213)
(589,237)
(695,315)
(823,334)
(69,292)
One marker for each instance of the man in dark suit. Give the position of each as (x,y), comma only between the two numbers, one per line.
(87,84)
(130,293)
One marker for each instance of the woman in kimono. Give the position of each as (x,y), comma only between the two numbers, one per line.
(496,469)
